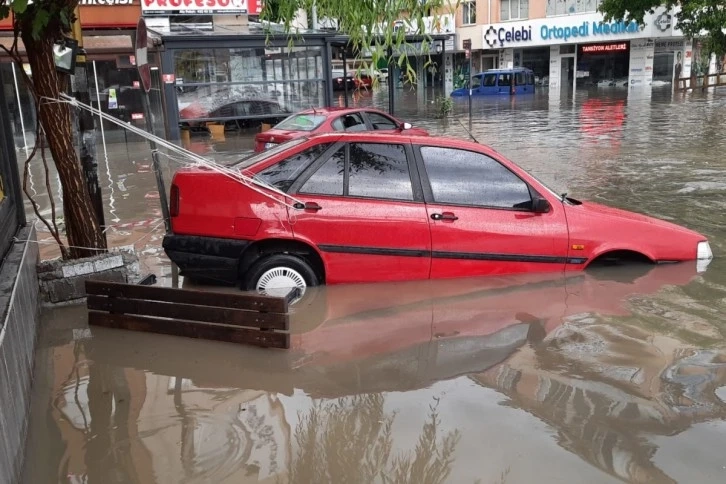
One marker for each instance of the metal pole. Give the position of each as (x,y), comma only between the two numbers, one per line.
(345,73)
(156,165)
(470,90)
(20,109)
(315,16)
(391,85)
(100,119)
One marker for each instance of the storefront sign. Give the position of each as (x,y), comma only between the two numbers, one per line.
(91,3)
(441,24)
(603,48)
(112,101)
(200,7)
(137,116)
(571,29)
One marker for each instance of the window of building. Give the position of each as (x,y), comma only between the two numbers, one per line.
(514,9)
(469,12)
(571,7)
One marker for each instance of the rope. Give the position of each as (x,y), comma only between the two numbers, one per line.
(250,182)
(111,249)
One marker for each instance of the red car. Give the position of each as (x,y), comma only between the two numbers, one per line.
(326,120)
(364,207)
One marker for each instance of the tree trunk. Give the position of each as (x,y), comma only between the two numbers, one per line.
(82,228)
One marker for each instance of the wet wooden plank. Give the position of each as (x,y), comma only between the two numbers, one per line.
(208,314)
(267,339)
(190,296)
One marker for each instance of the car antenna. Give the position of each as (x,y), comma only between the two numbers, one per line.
(468,132)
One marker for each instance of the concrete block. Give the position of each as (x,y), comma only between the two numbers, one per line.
(78,269)
(49,266)
(71,288)
(108,263)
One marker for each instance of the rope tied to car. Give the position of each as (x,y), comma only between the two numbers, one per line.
(265,189)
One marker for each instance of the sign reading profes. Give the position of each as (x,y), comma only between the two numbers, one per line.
(200,7)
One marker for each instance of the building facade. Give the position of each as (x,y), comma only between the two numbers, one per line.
(569,46)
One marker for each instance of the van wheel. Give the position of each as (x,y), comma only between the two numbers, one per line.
(276,274)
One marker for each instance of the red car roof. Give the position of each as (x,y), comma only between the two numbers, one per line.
(339,110)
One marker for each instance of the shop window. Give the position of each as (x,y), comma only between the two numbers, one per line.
(514,9)
(469,12)
(571,7)
(232,85)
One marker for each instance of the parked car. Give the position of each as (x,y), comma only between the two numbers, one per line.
(236,114)
(368,207)
(363,81)
(340,79)
(323,120)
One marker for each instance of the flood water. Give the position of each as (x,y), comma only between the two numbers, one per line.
(613,375)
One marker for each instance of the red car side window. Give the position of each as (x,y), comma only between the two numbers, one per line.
(381,122)
(283,174)
(461,177)
(379,170)
(328,179)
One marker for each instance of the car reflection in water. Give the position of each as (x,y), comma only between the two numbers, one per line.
(524,336)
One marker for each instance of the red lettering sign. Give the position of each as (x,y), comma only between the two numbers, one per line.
(599,48)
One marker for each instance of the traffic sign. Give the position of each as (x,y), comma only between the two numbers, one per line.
(142,58)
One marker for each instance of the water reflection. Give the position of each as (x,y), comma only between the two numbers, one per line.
(393,383)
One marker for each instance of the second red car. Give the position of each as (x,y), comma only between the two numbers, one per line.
(327,120)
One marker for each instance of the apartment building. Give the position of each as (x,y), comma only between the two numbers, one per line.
(569,45)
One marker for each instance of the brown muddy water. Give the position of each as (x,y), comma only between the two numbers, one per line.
(614,375)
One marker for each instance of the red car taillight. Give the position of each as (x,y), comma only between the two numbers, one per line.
(174,201)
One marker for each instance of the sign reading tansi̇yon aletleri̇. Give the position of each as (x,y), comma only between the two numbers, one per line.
(569,30)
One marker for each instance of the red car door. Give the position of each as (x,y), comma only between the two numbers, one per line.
(364,215)
(482,218)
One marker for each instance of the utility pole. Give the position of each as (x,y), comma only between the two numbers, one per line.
(86,132)
(315,16)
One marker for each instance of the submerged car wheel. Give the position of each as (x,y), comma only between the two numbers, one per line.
(275,275)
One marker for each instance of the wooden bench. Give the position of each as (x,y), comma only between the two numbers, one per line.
(236,318)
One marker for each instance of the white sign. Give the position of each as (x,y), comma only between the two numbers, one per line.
(641,63)
(573,29)
(444,24)
(197,7)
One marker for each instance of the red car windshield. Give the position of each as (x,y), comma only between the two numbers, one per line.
(301,122)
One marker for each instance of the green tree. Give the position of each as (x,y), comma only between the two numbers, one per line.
(370,24)
(40,25)
(705,19)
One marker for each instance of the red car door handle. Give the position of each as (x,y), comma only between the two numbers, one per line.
(444,216)
(308,206)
